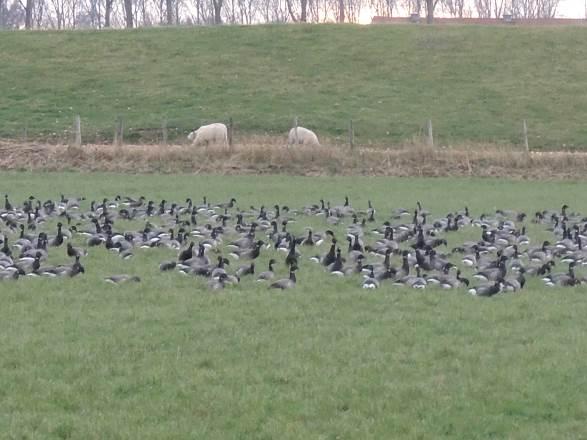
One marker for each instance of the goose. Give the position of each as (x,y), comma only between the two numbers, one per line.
(219,282)
(453,283)
(370,281)
(248,253)
(28,265)
(10,273)
(75,269)
(415,281)
(200,259)
(74,251)
(309,240)
(123,278)
(246,270)
(336,268)
(62,270)
(167,265)
(541,254)
(513,284)
(492,274)
(23,235)
(405,267)
(5,248)
(268,274)
(7,204)
(219,267)
(245,242)
(229,204)
(292,258)
(345,209)
(470,260)
(541,269)
(381,267)
(286,283)
(387,242)
(186,254)
(487,290)
(562,279)
(327,258)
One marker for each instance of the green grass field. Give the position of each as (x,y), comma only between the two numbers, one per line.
(476,83)
(166,358)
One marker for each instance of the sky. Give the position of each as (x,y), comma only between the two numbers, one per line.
(572,9)
(566,9)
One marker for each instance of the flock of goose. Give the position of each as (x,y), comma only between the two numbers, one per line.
(409,248)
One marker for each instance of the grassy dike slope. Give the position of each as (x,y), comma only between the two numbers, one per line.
(476,83)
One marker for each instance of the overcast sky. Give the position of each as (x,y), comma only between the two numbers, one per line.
(566,9)
(572,8)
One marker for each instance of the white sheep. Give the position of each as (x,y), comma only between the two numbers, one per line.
(216,133)
(302,137)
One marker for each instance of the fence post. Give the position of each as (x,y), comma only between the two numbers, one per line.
(351,135)
(77,130)
(230,128)
(164,130)
(296,130)
(525,131)
(119,131)
(430,134)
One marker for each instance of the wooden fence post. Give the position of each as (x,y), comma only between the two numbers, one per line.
(430,134)
(295,130)
(77,130)
(351,135)
(525,131)
(164,130)
(230,132)
(119,131)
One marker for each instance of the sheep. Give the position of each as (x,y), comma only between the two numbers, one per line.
(302,137)
(210,134)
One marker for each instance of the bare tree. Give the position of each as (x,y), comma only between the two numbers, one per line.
(217,5)
(128,13)
(107,13)
(28,11)
(430,6)
(247,10)
(534,8)
(302,17)
(274,11)
(169,11)
(413,6)
(455,8)
(14,15)
(383,7)
(490,8)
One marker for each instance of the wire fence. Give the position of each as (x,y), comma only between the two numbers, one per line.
(156,129)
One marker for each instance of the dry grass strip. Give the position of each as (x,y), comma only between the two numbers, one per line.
(265,155)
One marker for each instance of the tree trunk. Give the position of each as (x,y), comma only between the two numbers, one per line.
(290,10)
(217,10)
(430,5)
(107,13)
(169,7)
(341,11)
(28,19)
(128,13)
(304,5)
